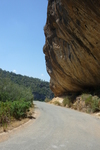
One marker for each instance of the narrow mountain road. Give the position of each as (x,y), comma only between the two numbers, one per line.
(57,128)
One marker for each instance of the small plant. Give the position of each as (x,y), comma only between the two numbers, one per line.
(93,103)
(57,103)
(88,100)
(67,101)
(4,114)
(47,99)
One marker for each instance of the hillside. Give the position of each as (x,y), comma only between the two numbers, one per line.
(40,89)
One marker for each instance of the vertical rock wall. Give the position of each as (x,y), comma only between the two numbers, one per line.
(72,47)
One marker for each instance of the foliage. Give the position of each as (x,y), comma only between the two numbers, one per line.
(92,102)
(17,93)
(88,100)
(15,109)
(19,109)
(67,101)
(91,97)
(4,114)
(95,105)
(47,99)
(57,103)
(12,92)
(39,88)
(15,101)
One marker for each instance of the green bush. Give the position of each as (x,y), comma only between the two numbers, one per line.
(16,109)
(88,100)
(95,106)
(67,101)
(93,103)
(19,109)
(15,101)
(4,114)
(47,99)
(57,103)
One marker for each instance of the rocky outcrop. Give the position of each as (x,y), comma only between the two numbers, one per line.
(72,48)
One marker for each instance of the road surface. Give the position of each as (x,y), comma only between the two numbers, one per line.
(57,128)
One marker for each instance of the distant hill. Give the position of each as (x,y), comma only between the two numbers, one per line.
(40,89)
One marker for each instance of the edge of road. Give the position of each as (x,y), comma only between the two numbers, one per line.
(5,135)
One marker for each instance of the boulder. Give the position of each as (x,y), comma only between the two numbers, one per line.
(72,47)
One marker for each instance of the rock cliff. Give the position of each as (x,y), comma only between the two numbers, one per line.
(72,47)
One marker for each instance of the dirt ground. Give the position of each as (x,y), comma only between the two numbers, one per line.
(13,124)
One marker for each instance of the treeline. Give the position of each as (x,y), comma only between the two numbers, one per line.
(40,89)
(10,91)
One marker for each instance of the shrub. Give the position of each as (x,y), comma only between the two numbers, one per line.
(88,100)
(67,101)
(47,99)
(4,114)
(16,109)
(95,106)
(57,103)
(93,103)
(19,109)
(15,101)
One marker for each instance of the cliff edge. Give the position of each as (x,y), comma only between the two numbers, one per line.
(72,47)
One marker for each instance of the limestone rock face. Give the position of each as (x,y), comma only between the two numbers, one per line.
(72,47)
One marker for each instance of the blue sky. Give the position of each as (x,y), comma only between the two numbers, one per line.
(22,37)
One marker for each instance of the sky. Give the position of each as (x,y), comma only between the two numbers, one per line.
(22,37)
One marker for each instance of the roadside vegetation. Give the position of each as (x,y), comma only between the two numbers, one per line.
(85,102)
(15,102)
(47,100)
(57,103)
(67,102)
(88,101)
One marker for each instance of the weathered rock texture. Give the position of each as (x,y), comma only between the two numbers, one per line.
(72,48)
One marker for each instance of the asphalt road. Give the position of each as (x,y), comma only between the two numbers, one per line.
(57,128)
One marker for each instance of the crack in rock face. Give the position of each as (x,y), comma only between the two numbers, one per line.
(72,47)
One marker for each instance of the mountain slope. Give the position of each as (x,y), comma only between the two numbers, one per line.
(40,89)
